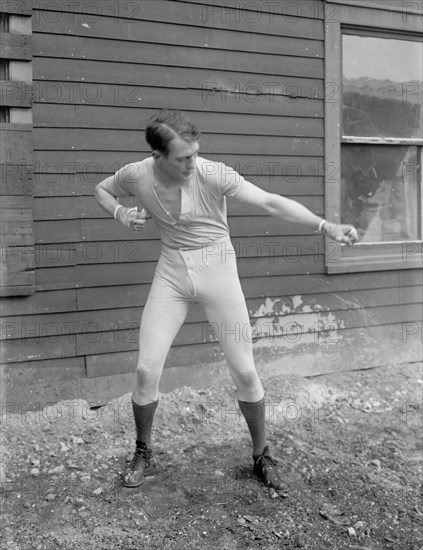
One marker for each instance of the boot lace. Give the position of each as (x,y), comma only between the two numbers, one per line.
(141,454)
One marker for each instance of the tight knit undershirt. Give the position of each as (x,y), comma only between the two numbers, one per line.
(203,217)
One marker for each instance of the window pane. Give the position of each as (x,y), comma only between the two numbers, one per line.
(4,114)
(379,191)
(381,87)
(4,22)
(4,69)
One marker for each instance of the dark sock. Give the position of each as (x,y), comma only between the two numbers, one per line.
(254,414)
(143,415)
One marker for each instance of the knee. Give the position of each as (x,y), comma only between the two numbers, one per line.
(144,372)
(249,380)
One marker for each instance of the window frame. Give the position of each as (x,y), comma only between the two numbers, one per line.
(17,245)
(353,19)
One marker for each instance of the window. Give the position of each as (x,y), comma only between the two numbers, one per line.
(17,252)
(378,145)
(4,66)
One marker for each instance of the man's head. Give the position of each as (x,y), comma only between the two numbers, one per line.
(174,141)
(165,126)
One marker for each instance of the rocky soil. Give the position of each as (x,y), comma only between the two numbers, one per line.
(349,447)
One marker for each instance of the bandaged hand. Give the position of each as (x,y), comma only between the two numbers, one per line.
(341,233)
(131,217)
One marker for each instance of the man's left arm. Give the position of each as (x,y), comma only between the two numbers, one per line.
(293,211)
(289,210)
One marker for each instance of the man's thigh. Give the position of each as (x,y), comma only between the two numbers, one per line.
(163,316)
(224,303)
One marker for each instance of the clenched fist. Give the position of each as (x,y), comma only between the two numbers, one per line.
(346,234)
(131,217)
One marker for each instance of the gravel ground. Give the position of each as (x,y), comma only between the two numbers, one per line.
(349,447)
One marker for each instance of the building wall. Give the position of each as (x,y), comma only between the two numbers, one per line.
(253,81)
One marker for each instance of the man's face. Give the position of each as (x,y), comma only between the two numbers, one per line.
(179,163)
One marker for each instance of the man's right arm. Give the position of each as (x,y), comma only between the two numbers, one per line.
(106,196)
(107,193)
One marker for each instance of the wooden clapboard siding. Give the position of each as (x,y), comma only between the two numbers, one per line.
(253,81)
(65,231)
(125,338)
(285,285)
(187,14)
(16,94)
(70,185)
(386,5)
(137,97)
(47,184)
(91,275)
(53,371)
(106,252)
(405,300)
(127,140)
(277,74)
(97,116)
(56,255)
(92,162)
(117,330)
(105,229)
(164,34)
(345,304)
(398,284)
(15,46)
(89,207)
(17,261)
(39,303)
(17,7)
(341,358)
(53,208)
(17,276)
(38,348)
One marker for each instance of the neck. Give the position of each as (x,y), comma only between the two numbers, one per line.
(161,176)
(164,179)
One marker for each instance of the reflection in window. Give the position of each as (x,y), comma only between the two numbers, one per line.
(381,83)
(379,186)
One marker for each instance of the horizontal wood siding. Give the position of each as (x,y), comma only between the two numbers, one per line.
(253,81)
(17,253)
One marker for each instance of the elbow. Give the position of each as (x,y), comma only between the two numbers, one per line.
(97,193)
(104,190)
(97,190)
(270,204)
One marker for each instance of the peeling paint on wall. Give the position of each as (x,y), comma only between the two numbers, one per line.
(289,322)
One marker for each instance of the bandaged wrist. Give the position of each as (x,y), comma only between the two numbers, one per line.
(116,210)
(320,226)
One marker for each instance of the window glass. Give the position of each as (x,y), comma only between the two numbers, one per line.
(381,87)
(379,186)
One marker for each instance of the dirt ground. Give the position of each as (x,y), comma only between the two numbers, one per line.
(349,446)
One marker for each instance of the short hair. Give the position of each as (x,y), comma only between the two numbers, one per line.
(167,125)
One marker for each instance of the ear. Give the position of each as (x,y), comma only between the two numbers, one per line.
(157,155)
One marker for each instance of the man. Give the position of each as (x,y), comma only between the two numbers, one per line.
(186,197)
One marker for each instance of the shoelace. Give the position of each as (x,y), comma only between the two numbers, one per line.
(139,455)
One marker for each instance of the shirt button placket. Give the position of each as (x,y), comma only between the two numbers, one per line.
(189,264)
